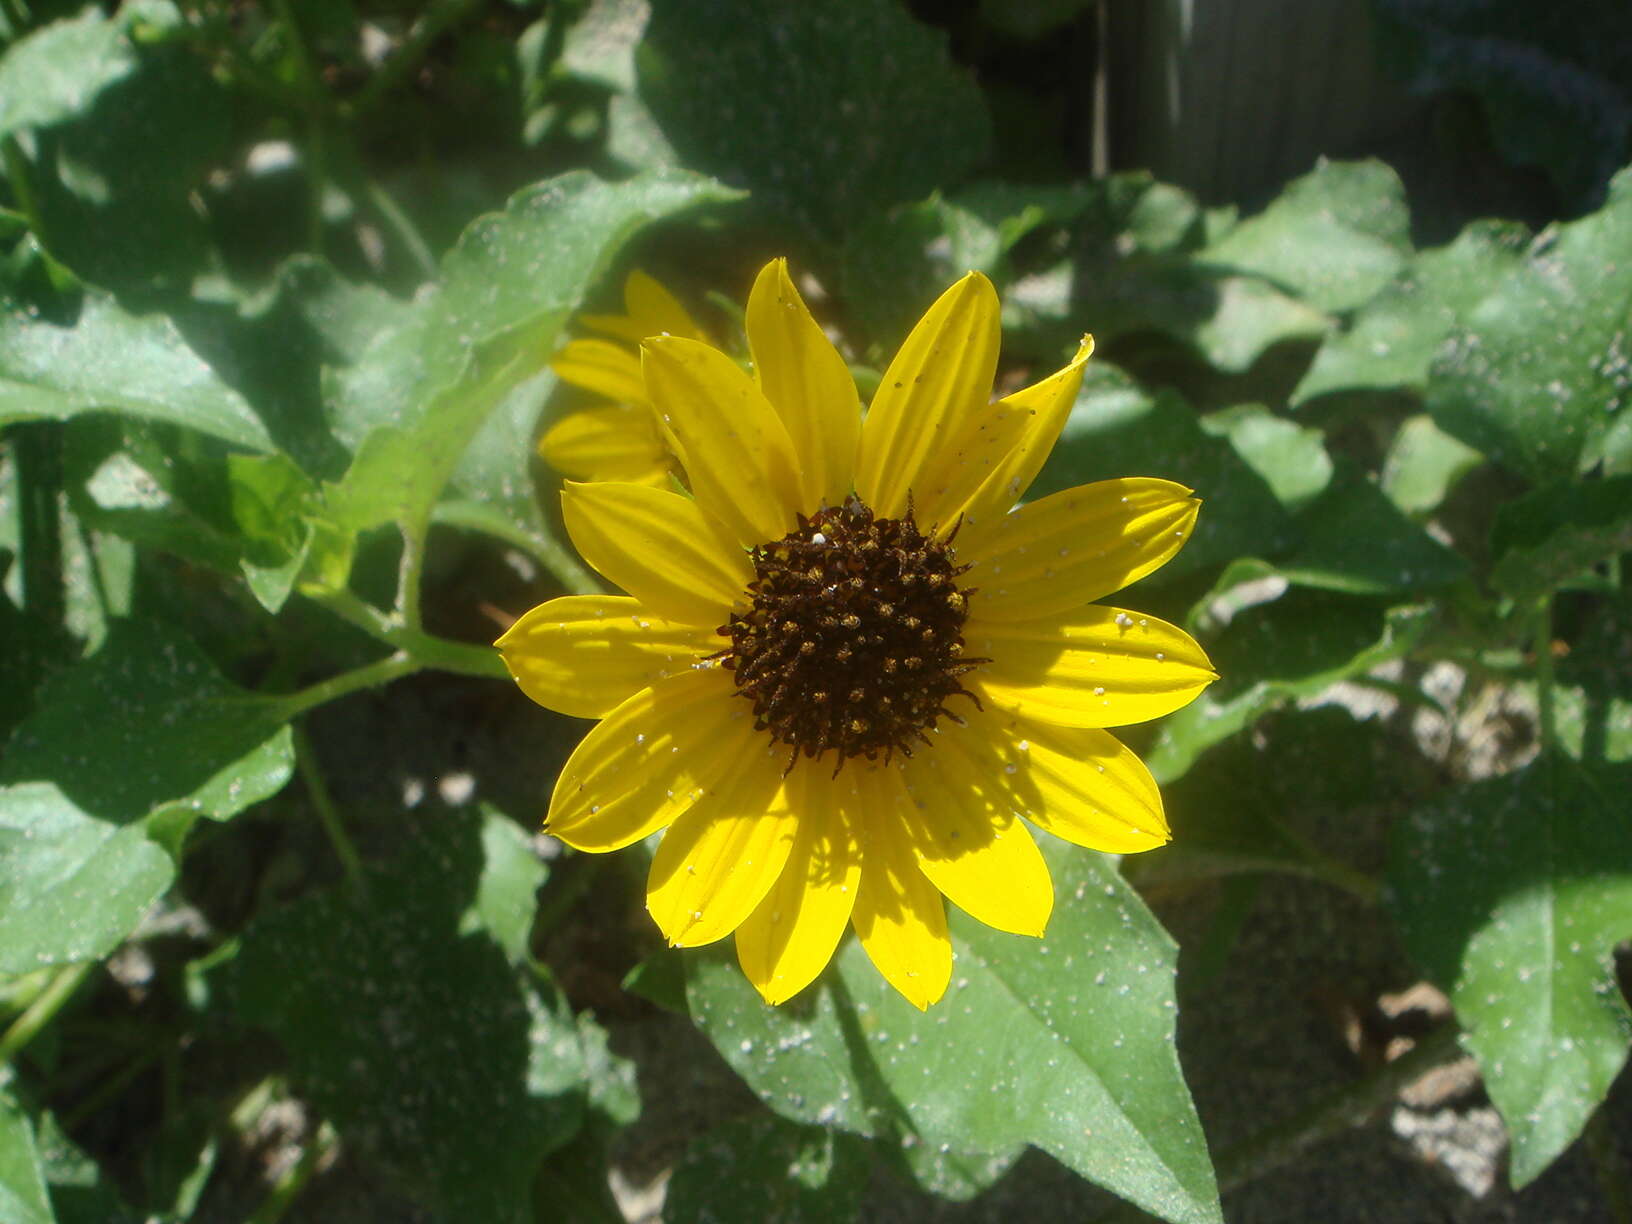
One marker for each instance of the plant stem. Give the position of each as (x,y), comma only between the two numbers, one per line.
(1543,648)
(22,186)
(44,1008)
(427,650)
(403,226)
(383,671)
(442,14)
(1343,1109)
(327,813)
(37,453)
(557,561)
(411,572)
(1608,1167)
(294,1181)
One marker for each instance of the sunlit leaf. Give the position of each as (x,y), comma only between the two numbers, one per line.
(71,886)
(1513,893)
(1538,374)
(1077,1027)
(763,1168)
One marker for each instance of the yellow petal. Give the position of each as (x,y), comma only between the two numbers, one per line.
(586,654)
(729,439)
(967,840)
(652,311)
(1090,667)
(717,862)
(899,915)
(659,547)
(650,759)
(608,369)
(786,942)
(808,384)
(608,442)
(985,471)
(1080,784)
(936,386)
(1062,551)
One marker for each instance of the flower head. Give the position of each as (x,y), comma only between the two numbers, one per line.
(847,672)
(618,439)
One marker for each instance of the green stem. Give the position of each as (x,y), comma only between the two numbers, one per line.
(37,452)
(107,1088)
(557,561)
(44,1009)
(411,573)
(1543,648)
(1322,866)
(327,813)
(427,650)
(1608,1167)
(406,58)
(22,185)
(1341,1110)
(294,1181)
(372,675)
(401,224)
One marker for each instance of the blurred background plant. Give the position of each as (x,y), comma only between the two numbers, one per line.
(282,281)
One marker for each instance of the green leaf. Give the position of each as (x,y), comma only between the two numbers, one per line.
(1558,533)
(413,1030)
(1392,339)
(148,721)
(1423,465)
(1356,540)
(421,392)
(81,1192)
(122,208)
(762,1168)
(56,72)
(1292,459)
(1116,429)
(1081,1021)
(1334,237)
(1512,893)
(507,890)
(1553,81)
(1304,665)
(23,1198)
(72,886)
(271,501)
(826,112)
(111,360)
(1537,375)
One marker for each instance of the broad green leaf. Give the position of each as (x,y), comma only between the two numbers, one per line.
(1334,237)
(1392,339)
(762,1168)
(1556,534)
(411,1028)
(507,891)
(71,886)
(1594,694)
(421,392)
(23,1198)
(147,721)
(113,361)
(1537,375)
(826,112)
(81,1192)
(1512,893)
(1553,81)
(1076,1027)
(271,502)
(122,208)
(1292,459)
(1423,464)
(1306,664)
(1116,429)
(1356,540)
(55,73)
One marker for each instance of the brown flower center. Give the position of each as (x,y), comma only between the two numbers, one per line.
(854,639)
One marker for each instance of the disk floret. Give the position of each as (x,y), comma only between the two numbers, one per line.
(854,638)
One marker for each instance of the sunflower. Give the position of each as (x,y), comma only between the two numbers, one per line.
(618,439)
(847,674)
